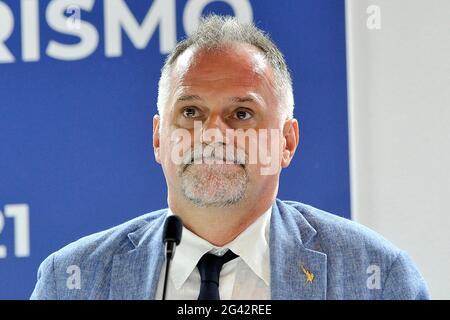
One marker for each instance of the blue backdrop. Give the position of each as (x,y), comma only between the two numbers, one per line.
(75,135)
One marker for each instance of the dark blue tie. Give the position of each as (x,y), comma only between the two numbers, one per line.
(209,267)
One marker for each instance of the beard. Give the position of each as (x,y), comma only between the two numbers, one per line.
(214,180)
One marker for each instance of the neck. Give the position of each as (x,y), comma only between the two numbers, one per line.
(220,226)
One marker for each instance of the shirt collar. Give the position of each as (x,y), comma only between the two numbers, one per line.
(252,245)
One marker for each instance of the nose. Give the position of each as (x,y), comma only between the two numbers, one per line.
(214,129)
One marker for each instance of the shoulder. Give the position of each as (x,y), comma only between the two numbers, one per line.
(357,254)
(336,232)
(109,242)
(94,253)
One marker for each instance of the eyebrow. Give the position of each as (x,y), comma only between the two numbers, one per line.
(189,97)
(242,99)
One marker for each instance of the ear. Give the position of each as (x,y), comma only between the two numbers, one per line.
(156,137)
(290,141)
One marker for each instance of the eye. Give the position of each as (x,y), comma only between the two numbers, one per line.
(242,115)
(190,112)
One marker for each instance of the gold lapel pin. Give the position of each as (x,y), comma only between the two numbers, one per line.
(308,274)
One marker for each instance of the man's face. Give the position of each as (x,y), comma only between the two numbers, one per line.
(211,145)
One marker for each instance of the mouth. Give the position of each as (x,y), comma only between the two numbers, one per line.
(213,164)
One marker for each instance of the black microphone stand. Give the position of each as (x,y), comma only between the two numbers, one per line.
(170,251)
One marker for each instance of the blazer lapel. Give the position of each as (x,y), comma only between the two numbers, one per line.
(135,274)
(297,272)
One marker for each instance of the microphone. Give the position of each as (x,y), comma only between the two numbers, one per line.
(171,237)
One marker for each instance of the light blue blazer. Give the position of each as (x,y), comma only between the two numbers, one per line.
(313,255)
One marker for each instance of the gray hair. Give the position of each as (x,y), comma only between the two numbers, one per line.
(215,31)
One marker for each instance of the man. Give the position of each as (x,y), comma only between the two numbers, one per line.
(225,130)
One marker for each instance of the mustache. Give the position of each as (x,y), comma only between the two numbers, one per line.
(217,153)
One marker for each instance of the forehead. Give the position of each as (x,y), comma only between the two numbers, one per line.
(238,66)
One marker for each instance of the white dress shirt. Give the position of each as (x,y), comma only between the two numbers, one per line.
(246,277)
